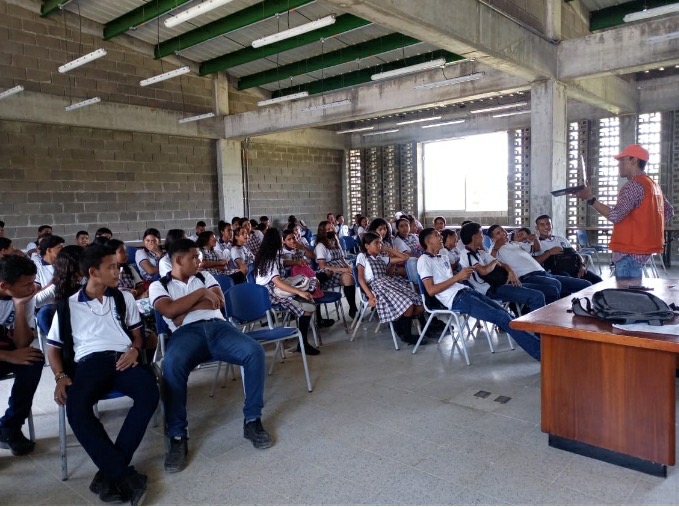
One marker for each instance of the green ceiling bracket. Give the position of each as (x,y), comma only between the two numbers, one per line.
(613,16)
(139,16)
(50,6)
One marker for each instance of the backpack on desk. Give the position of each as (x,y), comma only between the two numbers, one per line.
(625,306)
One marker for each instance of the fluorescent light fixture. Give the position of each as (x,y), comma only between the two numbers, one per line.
(452,122)
(662,38)
(329,105)
(359,129)
(194,11)
(11,91)
(292,32)
(284,98)
(500,108)
(513,113)
(380,132)
(439,62)
(196,118)
(651,13)
(448,82)
(84,103)
(419,120)
(82,60)
(166,75)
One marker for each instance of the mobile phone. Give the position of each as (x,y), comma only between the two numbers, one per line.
(639,287)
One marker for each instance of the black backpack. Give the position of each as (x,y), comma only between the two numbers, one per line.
(495,278)
(625,306)
(568,262)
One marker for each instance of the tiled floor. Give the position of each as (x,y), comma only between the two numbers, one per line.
(381,427)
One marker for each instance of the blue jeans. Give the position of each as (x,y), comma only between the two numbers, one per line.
(549,286)
(522,295)
(567,284)
(203,341)
(483,308)
(627,267)
(26,380)
(95,376)
(44,317)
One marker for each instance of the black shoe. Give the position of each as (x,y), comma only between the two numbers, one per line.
(14,440)
(133,487)
(326,322)
(255,433)
(309,350)
(101,486)
(175,454)
(412,339)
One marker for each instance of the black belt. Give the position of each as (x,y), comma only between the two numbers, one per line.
(105,353)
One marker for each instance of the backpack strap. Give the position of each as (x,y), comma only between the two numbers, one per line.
(66,335)
(579,310)
(165,280)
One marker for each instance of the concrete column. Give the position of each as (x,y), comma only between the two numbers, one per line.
(549,132)
(229,179)
(628,130)
(553,19)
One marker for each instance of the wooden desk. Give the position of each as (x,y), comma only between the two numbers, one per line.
(607,393)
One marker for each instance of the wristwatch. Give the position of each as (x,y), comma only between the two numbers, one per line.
(591,201)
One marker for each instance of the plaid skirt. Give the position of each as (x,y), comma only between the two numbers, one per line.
(334,279)
(289,304)
(394,296)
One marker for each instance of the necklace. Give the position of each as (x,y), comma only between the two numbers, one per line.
(108,304)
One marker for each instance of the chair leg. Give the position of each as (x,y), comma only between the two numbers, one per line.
(340,311)
(31,427)
(393,335)
(215,379)
(304,362)
(359,318)
(62,442)
(459,336)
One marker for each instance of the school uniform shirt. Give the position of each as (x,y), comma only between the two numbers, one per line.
(45,272)
(164,265)
(327,255)
(243,253)
(177,289)
(484,258)
(95,325)
(143,255)
(551,242)
(224,248)
(362,260)
(8,316)
(518,259)
(438,269)
(410,245)
(273,272)
(129,282)
(454,255)
(342,230)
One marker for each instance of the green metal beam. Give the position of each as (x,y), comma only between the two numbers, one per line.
(227,24)
(344,55)
(613,16)
(139,16)
(50,6)
(343,23)
(363,75)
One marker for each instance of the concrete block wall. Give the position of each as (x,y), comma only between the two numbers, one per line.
(291,180)
(32,48)
(78,178)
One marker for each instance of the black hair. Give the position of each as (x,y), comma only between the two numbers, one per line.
(103,230)
(2,224)
(267,255)
(181,246)
(261,227)
(542,217)
(221,227)
(368,238)
(43,228)
(5,243)
(439,218)
(376,223)
(203,238)
(113,244)
(99,240)
(322,236)
(424,234)
(200,223)
(287,232)
(447,232)
(465,222)
(264,218)
(92,257)
(642,163)
(253,223)
(524,229)
(49,241)
(235,220)
(13,267)
(81,233)
(292,218)
(468,230)
(491,230)
(236,233)
(398,222)
(151,231)
(242,221)
(172,236)
(67,275)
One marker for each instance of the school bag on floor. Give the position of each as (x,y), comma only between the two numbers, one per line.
(625,306)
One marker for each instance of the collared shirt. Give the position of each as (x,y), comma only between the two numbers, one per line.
(368,274)
(484,258)
(95,324)
(518,259)
(342,230)
(410,245)
(8,316)
(145,255)
(550,242)
(45,272)
(438,269)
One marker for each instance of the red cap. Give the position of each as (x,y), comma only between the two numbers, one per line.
(633,150)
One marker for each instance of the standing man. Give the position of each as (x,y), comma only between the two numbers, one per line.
(638,217)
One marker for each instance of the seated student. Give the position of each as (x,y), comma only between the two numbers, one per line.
(241,254)
(460,245)
(440,223)
(165,265)
(68,257)
(295,252)
(438,280)
(380,227)
(105,349)
(269,273)
(6,247)
(200,227)
(17,288)
(224,241)
(191,302)
(330,217)
(551,245)
(212,262)
(449,238)
(265,223)
(82,238)
(129,279)
(341,228)
(525,238)
(405,241)
(362,227)
(391,296)
(333,269)
(528,270)
(48,249)
(32,247)
(147,257)
(255,237)
(483,264)
(353,230)
(103,232)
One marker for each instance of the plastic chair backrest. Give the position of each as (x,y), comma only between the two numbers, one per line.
(581,236)
(247,302)
(487,242)
(250,277)
(161,325)
(225,282)
(131,254)
(352,244)
(411,270)
(343,243)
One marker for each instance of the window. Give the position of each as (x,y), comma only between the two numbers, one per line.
(649,126)
(606,187)
(466,174)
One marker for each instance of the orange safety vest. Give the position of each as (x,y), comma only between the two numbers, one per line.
(641,232)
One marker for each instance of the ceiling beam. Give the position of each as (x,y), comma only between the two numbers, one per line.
(350,53)
(50,6)
(471,29)
(139,16)
(343,23)
(610,93)
(235,21)
(613,15)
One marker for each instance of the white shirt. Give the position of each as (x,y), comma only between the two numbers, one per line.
(551,242)
(7,313)
(324,254)
(95,325)
(177,289)
(518,259)
(438,269)
(45,272)
(243,253)
(454,255)
(401,245)
(273,273)
(362,259)
(224,248)
(165,265)
(141,256)
(484,259)
(342,230)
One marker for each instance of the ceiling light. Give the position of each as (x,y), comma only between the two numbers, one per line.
(662,38)
(292,32)
(11,91)
(284,98)
(164,76)
(196,118)
(82,60)
(380,132)
(439,62)
(448,82)
(359,129)
(651,13)
(329,105)
(500,108)
(194,11)
(84,103)
(452,122)
(513,113)
(419,120)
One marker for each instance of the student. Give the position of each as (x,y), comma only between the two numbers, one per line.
(65,265)
(241,255)
(255,237)
(294,252)
(212,261)
(165,265)
(449,238)
(341,228)
(526,240)
(264,222)
(103,232)
(200,227)
(353,231)
(32,247)
(17,288)
(333,269)
(405,241)
(362,227)
(225,240)
(235,221)
(438,280)
(391,296)
(48,249)
(106,351)
(6,247)
(191,305)
(128,280)
(331,218)
(439,223)
(147,257)
(82,238)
